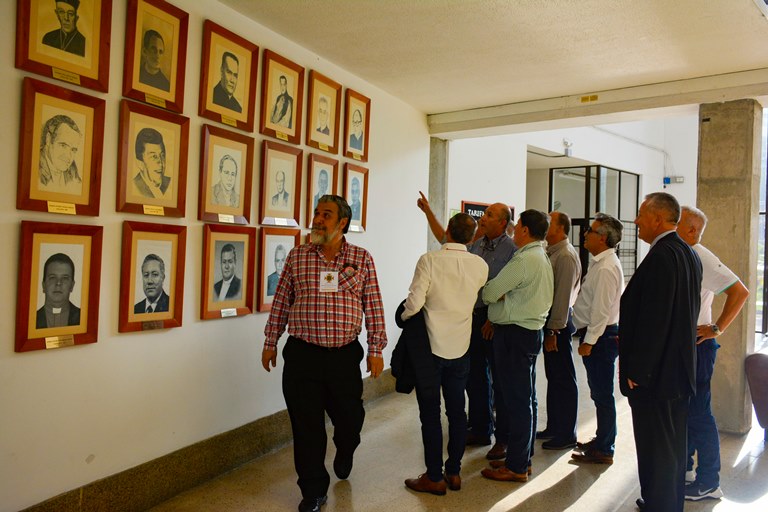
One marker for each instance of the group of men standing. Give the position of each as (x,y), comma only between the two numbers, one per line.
(488,303)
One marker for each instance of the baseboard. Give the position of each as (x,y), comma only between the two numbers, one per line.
(142,487)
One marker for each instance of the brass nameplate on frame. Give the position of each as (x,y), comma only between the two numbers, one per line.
(66,208)
(60,341)
(153,210)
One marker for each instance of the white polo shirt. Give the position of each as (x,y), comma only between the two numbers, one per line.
(715,279)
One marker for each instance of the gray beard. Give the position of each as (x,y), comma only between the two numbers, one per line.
(319,239)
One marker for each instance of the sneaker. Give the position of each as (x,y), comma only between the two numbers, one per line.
(696,491)
(690,476)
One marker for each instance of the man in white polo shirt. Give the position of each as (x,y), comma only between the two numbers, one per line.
(444,287)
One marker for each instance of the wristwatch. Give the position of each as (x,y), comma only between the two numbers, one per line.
(549,332)
(715,329)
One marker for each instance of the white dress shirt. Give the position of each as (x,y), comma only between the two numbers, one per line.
(597,305)
(445,286)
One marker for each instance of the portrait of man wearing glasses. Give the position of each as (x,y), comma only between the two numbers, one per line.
(356,138)
(66,37)
(151,180)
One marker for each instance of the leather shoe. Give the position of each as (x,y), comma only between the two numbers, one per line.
(498,451)
(477,440)
(592,456)
(496,464)
(640,502)
(558,444)
(312,504)
(544,434)
(424,484)
(504,474)
(582,447)
(342,465)
(453,481)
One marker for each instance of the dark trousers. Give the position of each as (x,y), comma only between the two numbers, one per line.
(452,377)
(660,435)
(515,351)
(601,373)
(317,380)
(703,438)
(562,392)
(483,388)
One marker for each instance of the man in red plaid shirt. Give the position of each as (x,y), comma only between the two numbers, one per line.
(324,289)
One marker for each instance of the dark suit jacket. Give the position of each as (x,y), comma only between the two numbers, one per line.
(412,359)
(232,292)
(144,190)
(74,317)
(220,97)
(73,43)
(163,304)
(657,323)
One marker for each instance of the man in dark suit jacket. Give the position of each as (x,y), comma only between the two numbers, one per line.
(67,37)
(657,337)
(58,283)
(228,263)
(152,278)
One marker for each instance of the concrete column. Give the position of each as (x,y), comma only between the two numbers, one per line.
(438,185)
(728,192)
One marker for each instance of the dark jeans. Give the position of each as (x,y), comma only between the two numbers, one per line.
(483,388)
(452,378)
(562,392)
(317,380)
(702,429)
(515,351)
(601,373)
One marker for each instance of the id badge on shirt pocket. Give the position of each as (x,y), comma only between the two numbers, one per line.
(329,282)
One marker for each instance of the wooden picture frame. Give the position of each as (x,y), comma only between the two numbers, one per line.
(152,182)
(59,276)
(228,77)
(60,150)
(274,246)
(155,53)
(229,254)
(280,184)
(66,43)
(226,176)
(357,123)
(322,178)
(282,90)
(323,113)
(152,272)
(355,184)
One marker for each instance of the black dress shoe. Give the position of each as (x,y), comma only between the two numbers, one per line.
(559,444)
(312,504)
(544,434)
(342,465)
(640,502)
(477,440)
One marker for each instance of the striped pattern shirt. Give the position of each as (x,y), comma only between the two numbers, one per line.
(328,319)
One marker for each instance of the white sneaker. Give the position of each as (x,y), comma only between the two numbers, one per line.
(690,476)
(695,491)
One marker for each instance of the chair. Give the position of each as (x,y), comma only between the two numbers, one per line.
(756,366)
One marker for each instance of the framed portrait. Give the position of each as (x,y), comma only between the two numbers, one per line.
(357,109)
(229,263)
(228,78)
(356,194)
(324,111)
(280,184)
(322,179)
(275,244)
(282,89)
(60,150)
(151,161)
(155,53)
(151,276)
(67,40)
(226,176)
(59,276)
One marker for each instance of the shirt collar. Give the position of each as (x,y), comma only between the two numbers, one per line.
(530,245)
(605,254)
(451,246)
(490,245)
(551,249)
(662,235)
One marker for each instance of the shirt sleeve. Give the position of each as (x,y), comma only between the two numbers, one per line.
(373,308)
(565,273)
(281,304)
(605,295)
(417,293)
(507,280)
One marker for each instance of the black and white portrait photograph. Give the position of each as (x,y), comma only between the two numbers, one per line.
(357,123)
(281,98)
(151,284)
(324,107)
(322,179)
(228,271)
(276,243)
(281,184)
(356,194)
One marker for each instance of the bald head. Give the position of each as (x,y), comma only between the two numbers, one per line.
(495,219)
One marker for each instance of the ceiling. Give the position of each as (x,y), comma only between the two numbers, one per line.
(454,55)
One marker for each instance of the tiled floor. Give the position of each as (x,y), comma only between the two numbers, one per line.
(391,451)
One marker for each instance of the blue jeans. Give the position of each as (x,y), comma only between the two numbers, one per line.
(702,429)
(601,372)
(483,388)
(515,350)
(562,392)
(452,374)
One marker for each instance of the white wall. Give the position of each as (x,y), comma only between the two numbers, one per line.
(74,415)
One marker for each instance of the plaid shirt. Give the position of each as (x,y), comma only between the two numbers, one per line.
(328,319)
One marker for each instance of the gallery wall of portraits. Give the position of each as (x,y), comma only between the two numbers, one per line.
(307,145)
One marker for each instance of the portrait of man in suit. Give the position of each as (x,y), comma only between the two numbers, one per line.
(282,111)
(152,51)
(60,142)
(152,279)
(355,196)
(151,180)
(224,192)
(281,198)
(322,187)
(228,287)
(356,138)
(322,116)
(58,283)
(223,92)
(274,277)
(66,38)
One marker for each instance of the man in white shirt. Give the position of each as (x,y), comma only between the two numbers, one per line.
(596,315)
(444,287)
(702,429)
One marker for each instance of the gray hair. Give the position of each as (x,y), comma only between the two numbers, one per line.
(699,218)
(154,257)
(345,212)
(611,227)
(665,204)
